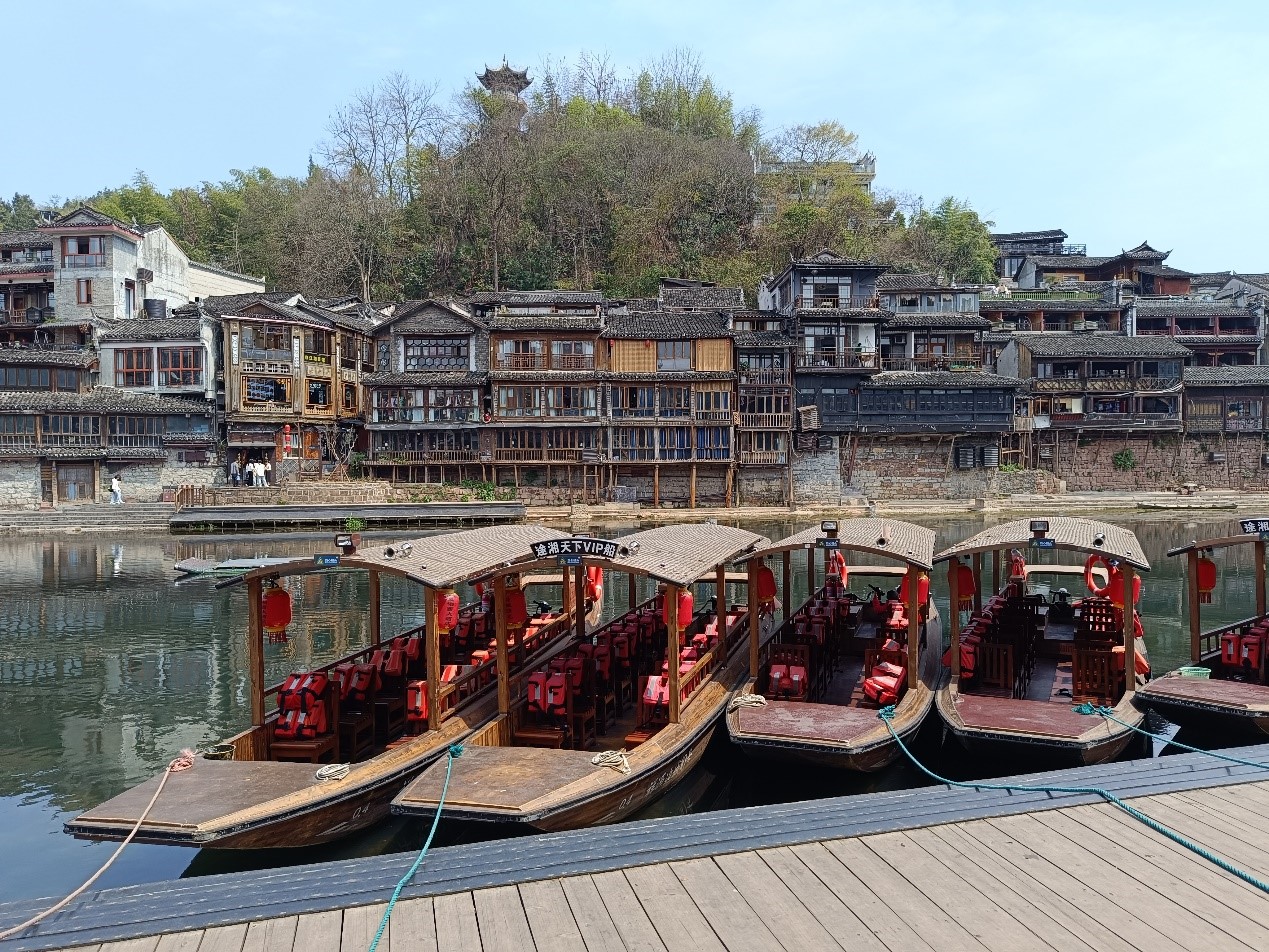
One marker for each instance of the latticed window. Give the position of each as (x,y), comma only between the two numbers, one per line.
(436,353)
(180,367)
(134,368)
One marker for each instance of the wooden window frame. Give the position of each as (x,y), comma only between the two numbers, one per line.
(84,290)
(187,369)
(134,367)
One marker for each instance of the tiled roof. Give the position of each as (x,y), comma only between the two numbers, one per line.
(1099,345)
(1053,234)
(26,267)
(703,298)
(100,400)
(1184,308)
(941,379)
(47,357)
(448,316)
(1144,250)
(1210,278)
(87,215)
(764,339)
(559,376)
(425,378)
(673,375)
(667,325)
(217,269)
(1069,261)
(229,303)
(181,328)
(1220,339)
(1250,375)
(921,281)
(25,239)
(545,322)
(863,313)
(825,256)
(957,321)
(1164,271)
(540,298)
(1055,305)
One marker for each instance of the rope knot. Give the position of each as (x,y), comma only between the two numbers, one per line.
(886,713)
(456,750)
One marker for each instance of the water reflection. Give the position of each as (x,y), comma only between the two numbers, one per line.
(108,668)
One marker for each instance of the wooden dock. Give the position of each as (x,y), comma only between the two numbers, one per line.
(432,515)
(925,869)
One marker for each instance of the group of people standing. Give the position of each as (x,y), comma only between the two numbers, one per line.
(244,472)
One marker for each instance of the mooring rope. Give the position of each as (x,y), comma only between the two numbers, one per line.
(183,762)
(1109,714)
(887,714)
(329,772)
(746,700)
(616,759)
(455,751)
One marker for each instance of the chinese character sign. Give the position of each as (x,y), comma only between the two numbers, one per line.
(589,548)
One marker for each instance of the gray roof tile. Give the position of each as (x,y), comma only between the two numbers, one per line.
(46,357)
(952,321)
(702,298)
(1250,375)
(425,378)
(1054,305)
(26,267)
(25,239)
(537,298)
(1099,345)
(941,379)
(667,325)
(100,400)
(585,323)
(1147,308)
(180,328)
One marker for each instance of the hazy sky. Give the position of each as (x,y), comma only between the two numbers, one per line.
(1116,121)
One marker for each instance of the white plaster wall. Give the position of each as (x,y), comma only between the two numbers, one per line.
(160,254)
(204,282)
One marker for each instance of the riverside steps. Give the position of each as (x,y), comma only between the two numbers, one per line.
(151,517)
(930,868)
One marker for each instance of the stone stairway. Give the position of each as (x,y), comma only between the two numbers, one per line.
(89,517)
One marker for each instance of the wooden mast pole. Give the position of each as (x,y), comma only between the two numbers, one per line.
(500,646)
(432,642)
(786,565)
(672,648)
(1130,634)
(255,652)
(579,599)
(755,623)
(566,595)
(720,601)
(631,591)
(1192,593)
(953,586)
(376,630)
(914,623)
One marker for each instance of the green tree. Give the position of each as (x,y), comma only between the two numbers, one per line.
(18,214)
(956,241)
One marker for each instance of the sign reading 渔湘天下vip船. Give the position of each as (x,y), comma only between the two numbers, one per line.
(589,548)
(1253,526)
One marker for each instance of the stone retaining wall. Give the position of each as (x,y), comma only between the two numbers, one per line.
(1162,461)
(914,467)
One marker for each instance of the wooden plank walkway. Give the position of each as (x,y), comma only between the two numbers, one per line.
(927,869)
(436,515)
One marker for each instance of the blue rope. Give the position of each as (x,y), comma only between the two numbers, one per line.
(455,751)
(1109,714)
(887,714)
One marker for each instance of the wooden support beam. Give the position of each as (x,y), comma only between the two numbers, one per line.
(566,596)
(755,623)
(720,600)
(953,587)
(978,581)
(500,649)
(1192,596)
(579,599)
(631,591)
(1130,635)
(376,630)
(656,487)
(914,624)
(996,580)
(691,493)
(672,649)
(432,647)
(1260,580)
(786,565)
(810,572)
(255,648)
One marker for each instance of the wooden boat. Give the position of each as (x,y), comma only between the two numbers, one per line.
(545,764)
(227,567)
(1224,691)
(269,794)
(1032,659)
(828,717)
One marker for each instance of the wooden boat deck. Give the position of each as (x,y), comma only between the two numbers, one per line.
(930,869)
(1049,718)
(1239,694)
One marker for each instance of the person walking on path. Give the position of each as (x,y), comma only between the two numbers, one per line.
(235,472)
(116,490)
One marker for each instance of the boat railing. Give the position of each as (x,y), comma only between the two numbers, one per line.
(1210,641)
(693,681)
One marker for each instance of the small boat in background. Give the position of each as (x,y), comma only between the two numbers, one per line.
(227,568)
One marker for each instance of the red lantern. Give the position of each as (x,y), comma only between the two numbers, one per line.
(447,607)
(964,588)
(594,583)
(923,590)
(766,584)
(517,608)
(685,609)
(275,611)
(1206,578)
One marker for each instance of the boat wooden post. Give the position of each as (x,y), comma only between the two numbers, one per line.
(432,640)
(672,648)
(1260,580)
(500,634)
(1130,632)
(1192,592)
(978,581)
(995,571)
(720,600)
(376,631)
(755,623)
(786,565)
(914,625)
(631,591)
(953,585)
(255,649)
(579,599)
(810,571)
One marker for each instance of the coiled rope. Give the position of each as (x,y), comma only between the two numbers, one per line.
(616,759)
(329,772)
(455,751)
(746,700)
(183,762)
(887,714)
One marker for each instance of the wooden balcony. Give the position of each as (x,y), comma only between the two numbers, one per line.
(712,416)
(762,457)
(933,362)
(764,421)
(540,455)
(1104,384)
(830,303)
(151,440)
(764,378)
(425,456)
(520,362)
(833,360)
(572,362)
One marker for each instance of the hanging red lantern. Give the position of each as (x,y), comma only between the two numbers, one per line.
(1206,571)
(594,583)
(923,590)
(447,607)
(275,612)
(685,609)
(964,588)
(517,608)
(766,590)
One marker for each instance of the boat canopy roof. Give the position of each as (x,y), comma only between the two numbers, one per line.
(681,554)
(888,538)
(1251,526)
(1069,533)
(438,561)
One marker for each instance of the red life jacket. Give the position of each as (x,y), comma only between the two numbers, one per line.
(302,715)
(537,692)
(363,682)
(301,691)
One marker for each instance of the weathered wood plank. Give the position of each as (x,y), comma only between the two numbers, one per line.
(681,926)
(271,935)
(456,927)
(875,913)
(726,910)
(1196,823)
(1007,877)
(413,926)
(550,917)
(598,932)
(906,900)
(500,915)
(224,938)
(629,918)
(144,944)
(831,913)
(361,923)
(180,942)
(1155,862)
(318,930)
(776,905)
(1181,927)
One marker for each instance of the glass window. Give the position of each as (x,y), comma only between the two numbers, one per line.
(674,355)
(134,368)
(266,389)
(180,367)
(319,393)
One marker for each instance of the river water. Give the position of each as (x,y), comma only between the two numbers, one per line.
(109,666)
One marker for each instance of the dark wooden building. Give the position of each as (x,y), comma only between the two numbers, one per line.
(1229,400)
(1217,334)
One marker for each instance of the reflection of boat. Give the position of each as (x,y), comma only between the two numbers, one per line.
(228,567)
(1022,662)
(270,794)
(685,666)
(1225,689)
(823,712)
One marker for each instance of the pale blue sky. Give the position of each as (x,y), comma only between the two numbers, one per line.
(1117,121)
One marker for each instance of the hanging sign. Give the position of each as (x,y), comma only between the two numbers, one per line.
(1044,543)
(568,560)
(1253,526)
(326,561)
(587,548)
